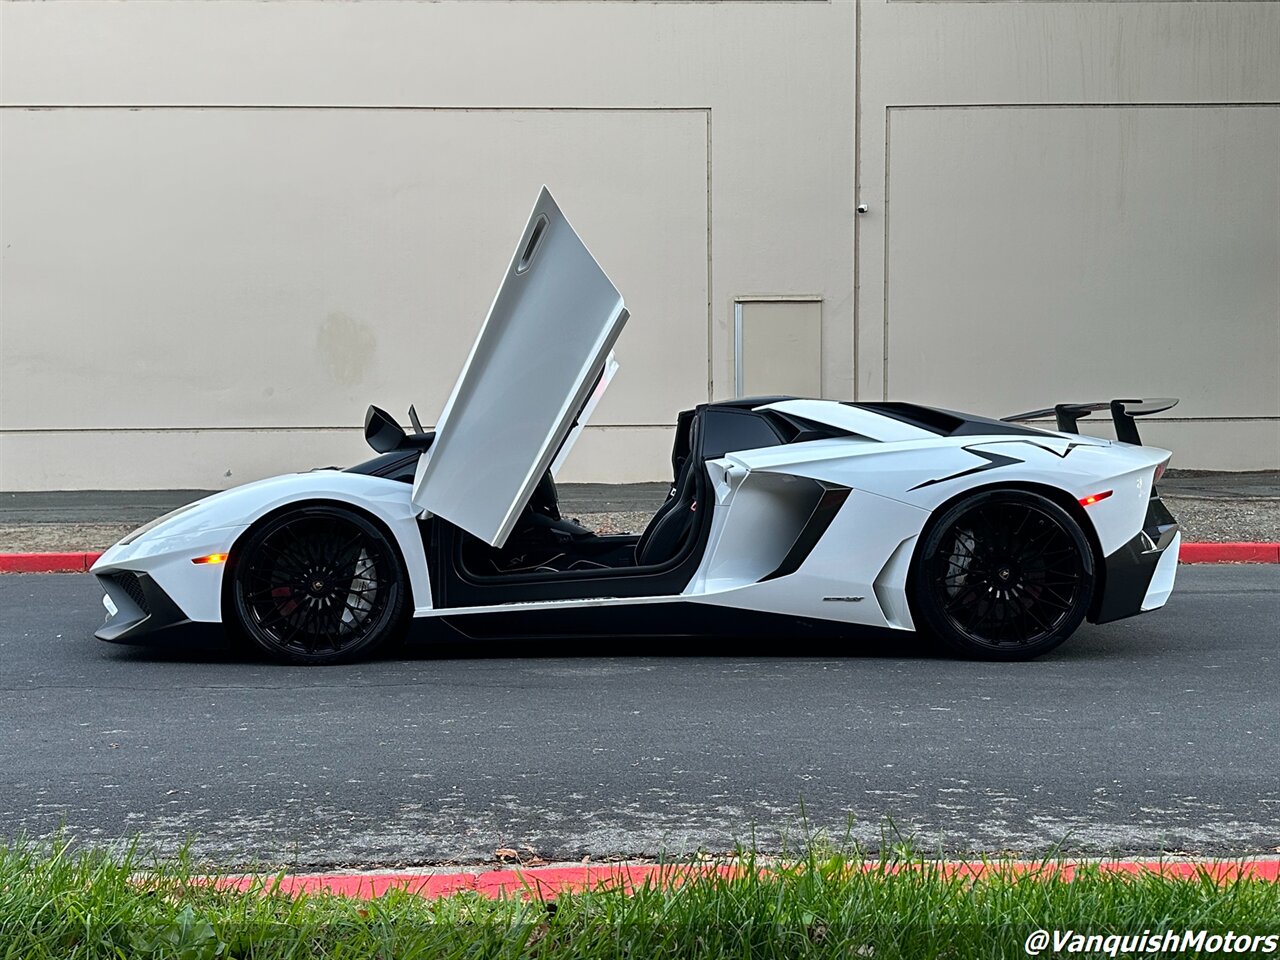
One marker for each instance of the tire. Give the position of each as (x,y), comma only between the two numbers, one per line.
(1003,575)
(317,585)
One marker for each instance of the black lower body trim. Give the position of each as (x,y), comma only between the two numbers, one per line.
(1128,571)
(145,614)
(676,621)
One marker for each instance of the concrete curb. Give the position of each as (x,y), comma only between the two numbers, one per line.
(548,882)
(1189,553)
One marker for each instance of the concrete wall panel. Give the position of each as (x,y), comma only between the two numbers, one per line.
(705,151)
(325,178)
(283,268)
(1074,199)
(1038,254)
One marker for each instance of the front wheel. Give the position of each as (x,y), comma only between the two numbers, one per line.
(316,585)
(1003,575)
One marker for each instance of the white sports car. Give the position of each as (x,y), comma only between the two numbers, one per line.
(785,515)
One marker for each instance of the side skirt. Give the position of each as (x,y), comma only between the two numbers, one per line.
(675,619)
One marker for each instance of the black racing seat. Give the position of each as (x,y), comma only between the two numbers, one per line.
(671,525)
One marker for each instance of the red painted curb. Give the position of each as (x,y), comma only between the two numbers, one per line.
(545,882)
(1189,553)
(1229,553)
(47,562)
(548,882)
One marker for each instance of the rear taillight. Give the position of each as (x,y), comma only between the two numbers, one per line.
(1160,469)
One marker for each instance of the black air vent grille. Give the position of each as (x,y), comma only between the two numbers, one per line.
(130,584)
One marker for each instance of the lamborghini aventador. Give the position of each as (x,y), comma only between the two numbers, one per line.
(785,515)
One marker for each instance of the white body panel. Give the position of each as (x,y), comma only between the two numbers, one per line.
(830,578)
(537,361)
(860,422)
(1162,582)
(214,524)
(897,470)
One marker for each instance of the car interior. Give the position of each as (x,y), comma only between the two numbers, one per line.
(550,556)
(545,542)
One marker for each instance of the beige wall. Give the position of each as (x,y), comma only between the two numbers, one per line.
(284,268)
(1075,201)
(239,223)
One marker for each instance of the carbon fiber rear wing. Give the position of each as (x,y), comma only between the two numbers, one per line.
(1122,414)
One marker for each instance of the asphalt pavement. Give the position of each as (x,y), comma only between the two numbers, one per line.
(1156,734)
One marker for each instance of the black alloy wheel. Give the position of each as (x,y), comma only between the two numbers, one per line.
(316,585)
(1003,575)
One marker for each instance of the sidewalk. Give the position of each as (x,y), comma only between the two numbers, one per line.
(139,506)
(1213,507)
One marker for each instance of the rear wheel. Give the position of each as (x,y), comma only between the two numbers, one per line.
(1003,575)
(318,585)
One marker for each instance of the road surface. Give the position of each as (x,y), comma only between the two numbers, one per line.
(1160,733)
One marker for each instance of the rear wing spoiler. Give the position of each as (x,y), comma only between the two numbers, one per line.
(1122,414)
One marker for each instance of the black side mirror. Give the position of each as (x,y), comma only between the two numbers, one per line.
(381,431)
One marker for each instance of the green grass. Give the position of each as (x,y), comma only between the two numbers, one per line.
(59,902)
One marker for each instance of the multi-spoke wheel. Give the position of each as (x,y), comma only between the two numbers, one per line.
(317,585)
(1003,575)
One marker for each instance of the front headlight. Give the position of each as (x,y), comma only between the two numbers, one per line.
(151,525)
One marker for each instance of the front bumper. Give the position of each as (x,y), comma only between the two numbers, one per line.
(140,612)
(1139,576)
